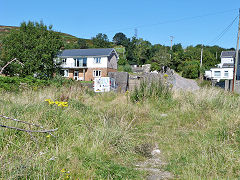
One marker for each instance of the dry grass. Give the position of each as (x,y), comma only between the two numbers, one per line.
(94,139)
(98,134)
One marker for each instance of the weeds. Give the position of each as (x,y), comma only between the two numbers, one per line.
(153,90)
(16,84)
(86,128)
(102,136)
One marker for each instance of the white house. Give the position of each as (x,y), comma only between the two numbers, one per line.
(87,64)
(224,70)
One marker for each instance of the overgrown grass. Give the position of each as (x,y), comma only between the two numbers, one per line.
(155,90)
(198,133)
(94,138)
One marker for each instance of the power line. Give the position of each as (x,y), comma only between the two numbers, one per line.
(173,21)
(223,32)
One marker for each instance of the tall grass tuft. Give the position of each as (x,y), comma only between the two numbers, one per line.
(153,90)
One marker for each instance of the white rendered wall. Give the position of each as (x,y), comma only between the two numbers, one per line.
(226,60)
(69,63)
(92,64)
(230,73)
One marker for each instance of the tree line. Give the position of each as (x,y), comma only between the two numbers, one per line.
(139,51)
(35,45)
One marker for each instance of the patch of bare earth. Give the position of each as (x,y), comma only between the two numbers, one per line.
(154,166)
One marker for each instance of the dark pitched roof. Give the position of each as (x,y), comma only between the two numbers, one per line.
(86,52)
(227,65)
(225,54)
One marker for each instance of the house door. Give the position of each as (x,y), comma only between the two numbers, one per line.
(76,75)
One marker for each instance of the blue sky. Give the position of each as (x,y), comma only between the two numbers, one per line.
(191,22)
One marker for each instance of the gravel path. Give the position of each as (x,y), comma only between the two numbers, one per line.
(184,84)
(153,166)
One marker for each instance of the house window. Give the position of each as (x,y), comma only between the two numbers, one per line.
(77,62)
(65,72)
(64,61)
(97,73)
(84,62)
(97,60)
(80,62)
(217,73)
(225,73)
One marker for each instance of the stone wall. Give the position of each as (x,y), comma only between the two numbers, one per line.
(121,79)
(167,77)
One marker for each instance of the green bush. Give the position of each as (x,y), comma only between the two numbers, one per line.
(190,69)
(122,61)
(125,68)
(15,84)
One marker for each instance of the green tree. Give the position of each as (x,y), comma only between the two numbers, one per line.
(191,69)
(177,55)
(161,58)
(82,43)
(142,51)
(35,45)
(177,48)
(120,39)
(101,41)
(130,51)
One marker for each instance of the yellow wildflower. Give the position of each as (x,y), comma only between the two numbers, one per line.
(63,171)
(59,103)
(48,136)
(65,105)
(165,75)
(51,102)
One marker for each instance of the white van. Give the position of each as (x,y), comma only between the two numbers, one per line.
(104,84)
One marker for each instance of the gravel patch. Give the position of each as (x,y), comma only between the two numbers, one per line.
(181,83)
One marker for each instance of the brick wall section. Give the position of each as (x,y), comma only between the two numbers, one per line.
(70,74)
(104,72)
(89,72)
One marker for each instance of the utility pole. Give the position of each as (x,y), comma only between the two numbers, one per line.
(171,46)
(136,33)
(171,41)
(201,56)
(201,76)
(236,57)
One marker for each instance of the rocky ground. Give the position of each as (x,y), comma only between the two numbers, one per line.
(181,83)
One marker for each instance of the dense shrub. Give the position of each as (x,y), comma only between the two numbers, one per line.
(190,69)
(125,68)
(19,83)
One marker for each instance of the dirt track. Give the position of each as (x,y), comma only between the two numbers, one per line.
(184,84)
